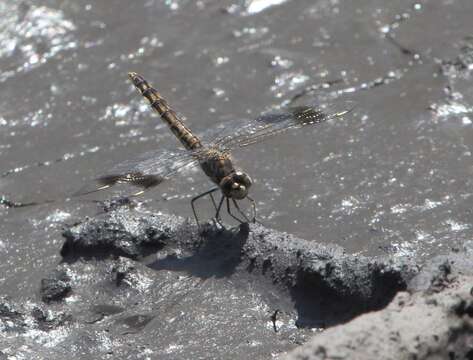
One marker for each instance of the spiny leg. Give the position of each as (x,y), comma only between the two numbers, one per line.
(213,201)
(240,211)
(230,212)
(217,212)
(100,188)
(253,206)
(198,197)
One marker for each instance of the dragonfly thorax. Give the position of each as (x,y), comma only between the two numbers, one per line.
(236,185)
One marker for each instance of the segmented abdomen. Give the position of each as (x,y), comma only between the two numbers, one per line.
(169,116)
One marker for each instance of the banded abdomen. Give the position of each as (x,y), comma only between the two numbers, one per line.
(169,116)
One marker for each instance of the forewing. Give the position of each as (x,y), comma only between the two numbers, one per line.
(161,162)
(148,170)
(273,123)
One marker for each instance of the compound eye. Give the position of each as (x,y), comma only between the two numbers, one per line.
(239,193)
(243,179)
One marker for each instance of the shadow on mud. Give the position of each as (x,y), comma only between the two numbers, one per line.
(320,285)
(318,305)
(314,298)
(217,255)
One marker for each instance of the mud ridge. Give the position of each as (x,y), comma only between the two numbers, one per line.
(326,285)
(432,320)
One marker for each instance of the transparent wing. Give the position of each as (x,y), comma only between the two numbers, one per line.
(274,123)
(148,170)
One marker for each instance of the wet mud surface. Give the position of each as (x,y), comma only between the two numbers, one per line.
(248,291)
(137,285)
(382,193)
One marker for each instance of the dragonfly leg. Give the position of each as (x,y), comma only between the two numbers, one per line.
(253,206)
(81,193)
(213,201)
(231,214)
(240,211)
(194,199)
(217,218)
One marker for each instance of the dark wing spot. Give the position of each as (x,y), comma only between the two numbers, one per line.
(109,180)
(136,179)
(306,115)
(13,204)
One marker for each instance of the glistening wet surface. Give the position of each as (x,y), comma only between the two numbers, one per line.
(394,176)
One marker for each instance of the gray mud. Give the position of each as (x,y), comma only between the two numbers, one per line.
(377,196)
(434,320)
(244,292)
(137,285)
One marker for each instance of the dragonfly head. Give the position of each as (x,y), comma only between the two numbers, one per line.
(236,185)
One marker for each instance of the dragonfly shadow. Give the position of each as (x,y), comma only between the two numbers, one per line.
(217,255)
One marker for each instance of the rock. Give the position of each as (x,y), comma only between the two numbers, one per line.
(56,287)
(49,320)
(122,270)
(11,318)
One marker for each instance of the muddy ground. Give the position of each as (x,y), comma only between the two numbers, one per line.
(383,198)
(136,285)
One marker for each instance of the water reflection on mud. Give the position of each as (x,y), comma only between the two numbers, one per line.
(395,176)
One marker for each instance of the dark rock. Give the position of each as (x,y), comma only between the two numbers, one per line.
(49,320)
(11,318)
(121,269)
(56,287)
(8,311)
(29,316)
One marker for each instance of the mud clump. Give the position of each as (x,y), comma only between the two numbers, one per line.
(327,285)
(56,287)
(113,234)
(421,325)
(432,320)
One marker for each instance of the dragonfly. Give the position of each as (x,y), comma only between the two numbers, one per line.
(214,158)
